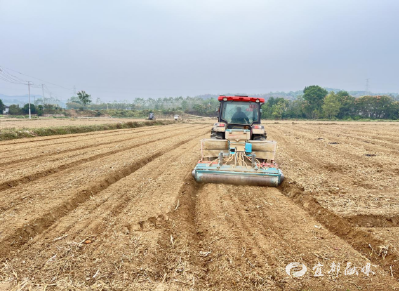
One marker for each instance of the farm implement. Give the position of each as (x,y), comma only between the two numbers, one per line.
(238,152)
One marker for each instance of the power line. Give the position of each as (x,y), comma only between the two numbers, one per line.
(36,78)
(13,76)
(7,80)
(10,79)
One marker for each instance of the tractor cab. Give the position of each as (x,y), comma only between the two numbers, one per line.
(239,112)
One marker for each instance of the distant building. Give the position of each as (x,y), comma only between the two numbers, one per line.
(6,110)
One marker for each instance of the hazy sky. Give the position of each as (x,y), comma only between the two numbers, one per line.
(144,48)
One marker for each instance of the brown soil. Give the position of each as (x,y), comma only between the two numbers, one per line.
(119,210)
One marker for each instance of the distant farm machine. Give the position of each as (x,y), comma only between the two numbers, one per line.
(238,151)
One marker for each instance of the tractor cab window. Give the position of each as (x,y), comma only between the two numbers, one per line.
(240,112)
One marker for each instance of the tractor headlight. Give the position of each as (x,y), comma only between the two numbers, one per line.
(225,99)
(257,100)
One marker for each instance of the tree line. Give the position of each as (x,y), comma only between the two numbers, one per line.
(315,102)
(167,105)
(318,103)
(39,110)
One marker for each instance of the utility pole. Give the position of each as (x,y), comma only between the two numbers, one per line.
(29,89)
(367,86)
(43,94)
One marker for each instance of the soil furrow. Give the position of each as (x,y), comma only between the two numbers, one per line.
(68,138)
(251,236)
(117,202)
(32,177)
(339,180)
(57,152)
(60,182)
(332,135)
(135,219)
(23,234)
(373,220)
(81,138)
(373,249)
(58,137)
(116,221)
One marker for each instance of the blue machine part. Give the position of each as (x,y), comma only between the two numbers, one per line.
(237,130)
(248,148)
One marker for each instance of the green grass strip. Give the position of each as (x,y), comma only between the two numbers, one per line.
(13,133)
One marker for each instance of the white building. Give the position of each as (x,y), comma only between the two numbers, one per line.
(6,110)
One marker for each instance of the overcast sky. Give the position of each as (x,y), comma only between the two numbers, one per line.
(119,50)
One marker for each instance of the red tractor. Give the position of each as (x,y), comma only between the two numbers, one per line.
(239,112)
(238,152)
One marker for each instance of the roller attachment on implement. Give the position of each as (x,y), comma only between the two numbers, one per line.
(270,177)
(223,163)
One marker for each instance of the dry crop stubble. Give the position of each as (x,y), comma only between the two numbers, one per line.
(50,201)
(24,150)
(42,166)
(53,122)
(341,177)
(137,189)
(132,217)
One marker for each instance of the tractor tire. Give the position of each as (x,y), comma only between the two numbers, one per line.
(217,135)
(260,137)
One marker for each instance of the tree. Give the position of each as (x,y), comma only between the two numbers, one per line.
(51,109)
(84,97)
(347,104)
(39,101)
(376,107)
(15,109)
(383,106)
(74,99)
(331,106)
(296,108)
(275,108)
(314,96)
(40,110)
(2,107)
(73,105)
(185,105)
(393,111)
(25,109)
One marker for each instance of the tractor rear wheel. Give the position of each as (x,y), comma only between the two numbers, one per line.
(217,135)
(259,137)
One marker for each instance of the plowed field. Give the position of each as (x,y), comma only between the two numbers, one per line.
(119,210)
